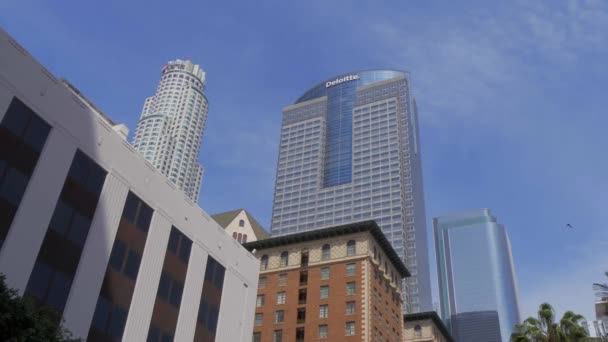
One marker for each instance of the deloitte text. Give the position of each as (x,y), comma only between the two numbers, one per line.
(341,80)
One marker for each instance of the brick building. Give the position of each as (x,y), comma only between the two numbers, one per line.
(425,327)
(340,283)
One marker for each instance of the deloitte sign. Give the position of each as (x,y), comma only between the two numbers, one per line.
(341,80)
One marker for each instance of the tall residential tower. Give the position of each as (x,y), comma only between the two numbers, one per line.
(350,152)
(477,285)
(170,129)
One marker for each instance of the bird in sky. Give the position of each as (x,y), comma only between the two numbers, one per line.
(569,225)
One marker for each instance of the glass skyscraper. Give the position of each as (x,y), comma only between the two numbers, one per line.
(477,284)
(350,152)
(170,129)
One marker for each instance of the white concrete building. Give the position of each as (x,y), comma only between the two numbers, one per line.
(89,227)
(241,225)
(170,129)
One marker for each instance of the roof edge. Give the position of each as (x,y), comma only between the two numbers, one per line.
(432,315)
(346,229)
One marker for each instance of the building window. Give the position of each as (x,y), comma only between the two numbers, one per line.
(323,331)
(109,319)
(281,298)
(303,278)
(324,273)
(417,331)
(264,262)
(304,258)
(241,223)
(22,136)
(351,269)
(350,308)
(279,316)
(259,318)
(282,279)
(324,292)
(301,318)
(302,294)
(325,252)
(244,238)
(277,336)
(234,235)
(239,237)
(350,328)
(262,283)
(284,259)
(299,334)
(125,259)
(59,255)
(323,311)
(351,248)
(257,337)
(350,288)
(209,306)
(259,301)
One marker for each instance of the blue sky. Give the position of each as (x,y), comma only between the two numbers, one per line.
(512,100)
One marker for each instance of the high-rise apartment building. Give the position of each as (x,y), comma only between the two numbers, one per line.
(335,284)
(170,129)
(90,229)
(477,284)
(350,151)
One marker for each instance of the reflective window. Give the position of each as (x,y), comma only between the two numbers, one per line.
(351,248)
(326,252)
(211,296)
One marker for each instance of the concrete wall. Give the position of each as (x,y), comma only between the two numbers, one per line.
(76,125)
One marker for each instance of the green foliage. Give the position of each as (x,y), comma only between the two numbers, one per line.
(23,321)
(545,329)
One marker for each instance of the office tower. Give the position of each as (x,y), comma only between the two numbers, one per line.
(349,152)
(90,229)
(477,285)
(241,225)
(339,283)
(170,129)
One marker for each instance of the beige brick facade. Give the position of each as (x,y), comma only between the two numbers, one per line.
(371,313)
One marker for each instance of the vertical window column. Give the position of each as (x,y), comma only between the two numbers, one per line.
(170,288)
(118,285)
(22,137)
(209,307)
(59,255)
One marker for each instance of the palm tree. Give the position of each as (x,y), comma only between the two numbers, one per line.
(545,329)
(601,290)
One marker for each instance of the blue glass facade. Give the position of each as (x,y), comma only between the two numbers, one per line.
(476,274)
(339,133)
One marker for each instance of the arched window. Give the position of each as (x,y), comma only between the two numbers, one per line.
(240,236)
(244,238)
(417,331)
(264,262)
(284,259)
(241,223)
(325,252)
(304,258)
(234,235)
(351,248)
